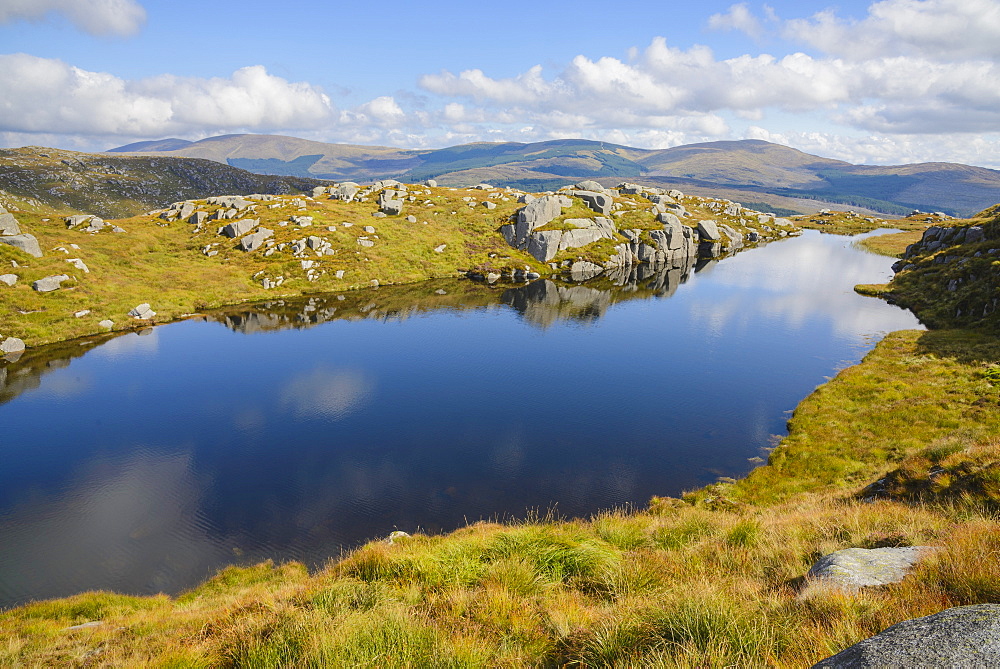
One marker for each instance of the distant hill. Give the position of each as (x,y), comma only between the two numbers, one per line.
(114,186)
(753,170)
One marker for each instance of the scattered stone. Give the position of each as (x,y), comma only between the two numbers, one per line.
(11,345)
(302,221)
(374,283)
(117,229)
(599,202)
(369,229)
(9,279)
(490,205)
(854,568)
(430,183)
(256,240)
(79,264)
(50,283)
(107,324)
(8,224)
(398,534)
(964,636)
(25,242)
(239,228)
(82,313)
(441,248)
(411,219)
(142,311)
(339,274)
(440,291)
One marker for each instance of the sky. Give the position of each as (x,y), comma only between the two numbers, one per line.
(890,82)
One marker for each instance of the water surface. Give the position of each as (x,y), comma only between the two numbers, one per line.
(294,429)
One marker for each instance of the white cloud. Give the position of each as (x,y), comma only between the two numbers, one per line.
(941,29)
(49,96)
(739,18)
(97,17)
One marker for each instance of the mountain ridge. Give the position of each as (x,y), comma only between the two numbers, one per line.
(763,170)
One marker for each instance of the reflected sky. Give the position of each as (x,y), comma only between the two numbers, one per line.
(299,428)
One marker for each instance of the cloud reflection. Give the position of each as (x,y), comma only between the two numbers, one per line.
(331,395)
(800,280)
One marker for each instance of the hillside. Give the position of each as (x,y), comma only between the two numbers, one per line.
(759,171)
(120,186)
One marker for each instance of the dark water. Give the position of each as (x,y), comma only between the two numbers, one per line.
(294,429)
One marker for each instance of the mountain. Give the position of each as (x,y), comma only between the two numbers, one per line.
(750,170)
(115,186)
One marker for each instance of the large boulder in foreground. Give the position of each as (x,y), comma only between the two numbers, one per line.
(965,636)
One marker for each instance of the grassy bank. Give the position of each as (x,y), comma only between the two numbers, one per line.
(712,580)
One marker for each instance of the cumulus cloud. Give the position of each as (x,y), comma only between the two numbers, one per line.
(939,29)
(97,17)
(739,17)
(49,96)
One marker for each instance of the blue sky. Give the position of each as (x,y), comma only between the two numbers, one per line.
(890,82)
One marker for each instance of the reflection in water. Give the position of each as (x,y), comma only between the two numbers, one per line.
(331,395)
(421,407)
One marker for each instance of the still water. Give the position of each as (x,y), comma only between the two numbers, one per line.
(295,429)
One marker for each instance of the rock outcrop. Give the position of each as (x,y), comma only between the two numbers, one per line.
(963,637)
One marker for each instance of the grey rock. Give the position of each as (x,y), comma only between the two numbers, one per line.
(379,214)
(107,324)
(367,243)
(8,224)
(430,183)
(49,283)
(974,235)
(676,194)
(411,219)
(198,218)
(369,229)
(345,191)
(239,228)
(301,221)
(572,239)
(544,246)
(668,220)
(964,636)
(583,270)
(256,240)
(9,279)
(709,230)
(854,568)
(142,311)
(25,242)
(589,185)
(82,313)
(11,345)
(441,248)
(537,213)
(490,205)
(599,202)
(526,198)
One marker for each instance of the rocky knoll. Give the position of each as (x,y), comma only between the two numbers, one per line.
(951,277)
(659,238)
